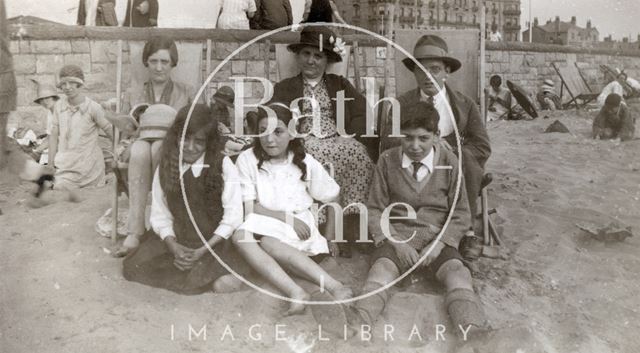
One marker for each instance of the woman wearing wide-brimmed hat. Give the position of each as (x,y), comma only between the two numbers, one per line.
(318,47)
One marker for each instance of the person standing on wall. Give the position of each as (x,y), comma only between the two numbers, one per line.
(141,13)
(97,13)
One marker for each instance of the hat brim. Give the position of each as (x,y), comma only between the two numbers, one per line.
(453,63)
(296,47)
(70,79)
(222,101)
(37,100)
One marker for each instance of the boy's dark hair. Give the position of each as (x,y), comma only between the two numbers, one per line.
(421,115)
(296,145)
(613,100)
(158,43)
(495,80)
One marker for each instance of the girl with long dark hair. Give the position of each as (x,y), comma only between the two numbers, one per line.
(174,255)
(280,183)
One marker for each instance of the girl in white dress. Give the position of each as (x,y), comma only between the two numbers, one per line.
(235,14)
(280,183)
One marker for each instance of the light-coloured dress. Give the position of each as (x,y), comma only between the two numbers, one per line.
(234,14)
(79,158)
(278,187)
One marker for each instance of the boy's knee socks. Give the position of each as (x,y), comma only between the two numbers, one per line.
(372,306)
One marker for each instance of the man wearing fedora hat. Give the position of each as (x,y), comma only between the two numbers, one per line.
(432,53)
(547,97)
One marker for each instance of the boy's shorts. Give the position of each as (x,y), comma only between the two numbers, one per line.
(388,251)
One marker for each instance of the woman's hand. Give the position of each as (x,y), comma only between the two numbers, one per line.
(301,228)
(182,255)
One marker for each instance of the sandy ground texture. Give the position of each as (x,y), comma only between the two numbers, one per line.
(559,291)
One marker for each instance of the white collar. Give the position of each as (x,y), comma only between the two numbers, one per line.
(437,98)
(312,82)
(196,167)
(426,161)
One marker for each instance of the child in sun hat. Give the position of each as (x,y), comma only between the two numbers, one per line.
(76,124)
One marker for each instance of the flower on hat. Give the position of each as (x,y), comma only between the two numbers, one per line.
(339,46)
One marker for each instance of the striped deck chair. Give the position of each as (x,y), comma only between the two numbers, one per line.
(580,94)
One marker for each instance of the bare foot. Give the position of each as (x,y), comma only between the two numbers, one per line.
(342,293)
(130,243)
(297,308)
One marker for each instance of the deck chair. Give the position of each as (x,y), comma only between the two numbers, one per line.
(580,93)
(611,74)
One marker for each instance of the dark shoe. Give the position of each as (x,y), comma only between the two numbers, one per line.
(470,247)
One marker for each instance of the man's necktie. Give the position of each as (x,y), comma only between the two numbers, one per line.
(430,101)
(416,167)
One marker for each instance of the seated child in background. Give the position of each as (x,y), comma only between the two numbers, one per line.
(421,173)
(47,98)
(222,108)
(547,97)
(173,255)
(498,99)
(280,183)
(614,120)
(77,121)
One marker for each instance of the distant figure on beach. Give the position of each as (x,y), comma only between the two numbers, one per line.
(547,97)
(614,120)
(495,36)
(616,86)
(498,99)
(141,13)
(272,14)
(321,11)
(235,14)
(97,13)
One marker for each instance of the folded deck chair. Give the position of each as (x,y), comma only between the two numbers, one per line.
(580,93)
(611,74)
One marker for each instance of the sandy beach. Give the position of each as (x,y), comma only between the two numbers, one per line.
(560,290)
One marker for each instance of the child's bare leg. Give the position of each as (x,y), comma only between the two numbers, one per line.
(155,155)
(139,186)
(266,266)
(301,264)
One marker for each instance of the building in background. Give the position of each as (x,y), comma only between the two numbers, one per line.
(564,33)
(431,14)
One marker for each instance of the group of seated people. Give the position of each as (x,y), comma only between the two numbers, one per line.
(253,201)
